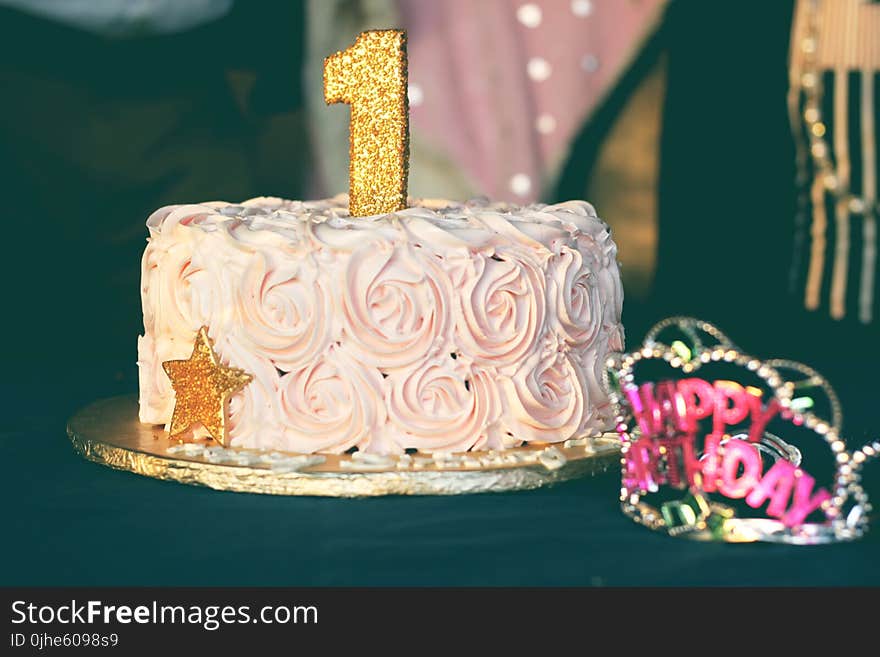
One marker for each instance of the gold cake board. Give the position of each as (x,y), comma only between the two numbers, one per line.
(108,432)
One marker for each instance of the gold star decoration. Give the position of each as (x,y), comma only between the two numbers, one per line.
(202,386)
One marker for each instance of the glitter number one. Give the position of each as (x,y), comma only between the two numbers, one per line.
(371,77)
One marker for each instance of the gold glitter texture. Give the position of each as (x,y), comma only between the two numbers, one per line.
(108,432)
(371,77)
(202,386)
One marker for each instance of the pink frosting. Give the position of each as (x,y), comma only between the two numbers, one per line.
(502,308)
(331,404)
(444,327)
(442,404)
(574,298)
(395,304)
(546,397)
(286,309)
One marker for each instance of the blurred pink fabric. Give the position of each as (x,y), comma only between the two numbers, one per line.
(502,87)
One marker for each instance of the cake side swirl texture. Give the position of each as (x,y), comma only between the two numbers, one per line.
(443,327)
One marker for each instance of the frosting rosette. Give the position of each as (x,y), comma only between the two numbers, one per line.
(330,405)
(573,297)
(156,394)
(501,308)
(284,310)
(600,252)
(170,309)
(441,405)
(611,298)
(191,277)
(545,398)
(598,410)
(257,399)
(395,305)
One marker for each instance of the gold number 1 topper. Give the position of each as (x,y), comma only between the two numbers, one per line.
(371,77)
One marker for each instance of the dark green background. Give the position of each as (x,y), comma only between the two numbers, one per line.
(97,133)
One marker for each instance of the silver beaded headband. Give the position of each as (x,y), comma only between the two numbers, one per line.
(700,474)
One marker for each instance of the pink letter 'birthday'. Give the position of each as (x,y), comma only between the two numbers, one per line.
(804,500)
(776,486)
(738,452)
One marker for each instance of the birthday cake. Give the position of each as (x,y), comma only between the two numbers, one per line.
(442,327)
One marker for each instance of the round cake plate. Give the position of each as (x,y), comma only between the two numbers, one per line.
(108,432)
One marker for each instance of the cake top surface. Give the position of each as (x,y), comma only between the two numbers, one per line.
(435,222)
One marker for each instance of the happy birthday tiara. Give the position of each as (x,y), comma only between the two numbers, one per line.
(719,457)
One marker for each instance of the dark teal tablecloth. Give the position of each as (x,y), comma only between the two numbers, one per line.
(70,522)
(81,188)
